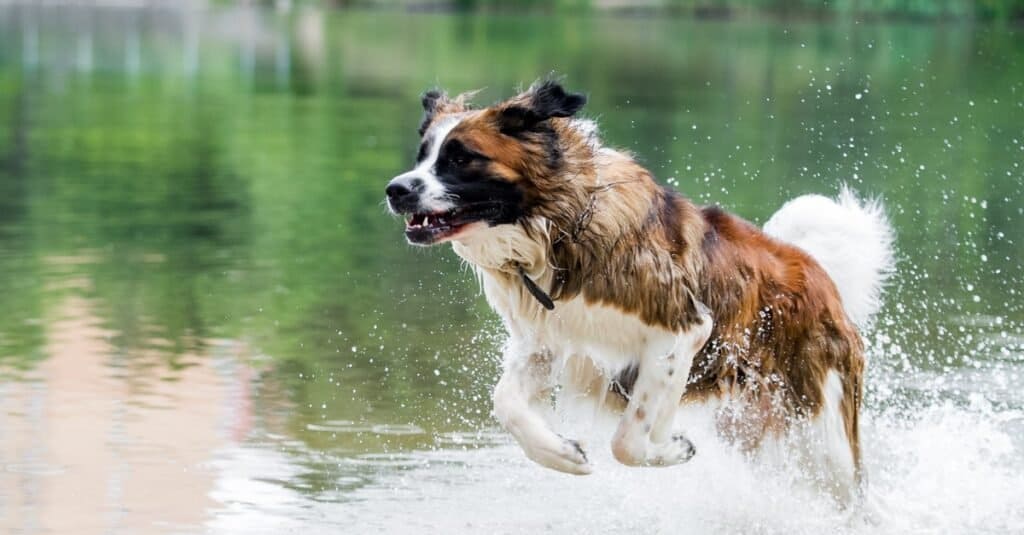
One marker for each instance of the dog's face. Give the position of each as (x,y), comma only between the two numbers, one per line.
(479,168)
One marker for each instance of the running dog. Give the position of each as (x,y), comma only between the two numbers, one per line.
(595,267)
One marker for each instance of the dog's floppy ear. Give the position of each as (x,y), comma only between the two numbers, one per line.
(433,101)
(541,102)
(436,102)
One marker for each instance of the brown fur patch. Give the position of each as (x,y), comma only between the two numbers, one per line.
(779,328)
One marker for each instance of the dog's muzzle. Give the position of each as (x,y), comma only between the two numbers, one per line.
(403,193)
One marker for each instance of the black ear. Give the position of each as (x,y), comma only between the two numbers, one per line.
(431,98)
(541,102)
(432,101)
(551,100)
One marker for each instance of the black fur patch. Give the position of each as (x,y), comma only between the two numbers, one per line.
(467,176)
(715,217)
(545,101)
(429,101)
(671,217)
(551,100)
(515,120)
(422,153)
(624,381)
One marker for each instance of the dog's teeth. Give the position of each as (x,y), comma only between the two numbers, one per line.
(426,221)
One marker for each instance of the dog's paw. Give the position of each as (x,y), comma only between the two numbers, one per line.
(676,450)
(561,454)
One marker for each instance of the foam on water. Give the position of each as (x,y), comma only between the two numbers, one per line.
(940,466)
(942,435)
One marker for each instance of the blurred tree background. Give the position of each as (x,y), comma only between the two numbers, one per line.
(924,10)
(209,175)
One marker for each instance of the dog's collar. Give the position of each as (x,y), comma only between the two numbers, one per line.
(540,295)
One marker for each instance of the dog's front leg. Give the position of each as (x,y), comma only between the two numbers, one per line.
(520,398)
(644,435)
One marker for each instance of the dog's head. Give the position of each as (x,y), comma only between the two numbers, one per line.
(480,168)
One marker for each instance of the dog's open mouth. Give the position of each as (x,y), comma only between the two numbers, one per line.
(429,228)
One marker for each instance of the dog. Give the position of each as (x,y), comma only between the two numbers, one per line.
(652,301)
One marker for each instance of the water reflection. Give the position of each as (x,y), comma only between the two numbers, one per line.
(91,437)
(202,292)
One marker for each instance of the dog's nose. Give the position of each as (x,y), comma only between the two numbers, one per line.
(396,190)
(403,190)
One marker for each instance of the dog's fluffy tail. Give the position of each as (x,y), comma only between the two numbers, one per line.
(852,239)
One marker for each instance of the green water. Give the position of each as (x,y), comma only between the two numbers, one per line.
(191,202)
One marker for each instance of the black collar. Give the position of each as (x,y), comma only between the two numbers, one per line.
(543,298)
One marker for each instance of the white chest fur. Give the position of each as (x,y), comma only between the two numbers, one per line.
(609,336)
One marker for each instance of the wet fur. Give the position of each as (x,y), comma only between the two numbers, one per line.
(616,251)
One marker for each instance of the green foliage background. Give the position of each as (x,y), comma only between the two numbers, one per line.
(986,10)
(239,198)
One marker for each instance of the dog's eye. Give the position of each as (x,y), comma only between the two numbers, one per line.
(457,155)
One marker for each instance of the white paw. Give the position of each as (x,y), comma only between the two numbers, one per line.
(676,450)
(561,454)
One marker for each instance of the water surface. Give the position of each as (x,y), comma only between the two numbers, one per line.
(210,325)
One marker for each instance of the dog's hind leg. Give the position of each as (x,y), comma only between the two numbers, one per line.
(521,396)
(644,435)
(830,440)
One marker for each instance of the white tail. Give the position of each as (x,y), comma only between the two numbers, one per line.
(851,239)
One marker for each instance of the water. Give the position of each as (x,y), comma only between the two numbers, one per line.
(210,325)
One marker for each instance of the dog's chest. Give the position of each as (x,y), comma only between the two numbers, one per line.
(611,337)
(606,334)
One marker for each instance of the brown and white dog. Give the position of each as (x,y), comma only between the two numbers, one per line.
(650,300)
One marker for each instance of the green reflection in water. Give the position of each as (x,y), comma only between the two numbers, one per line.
(227,182)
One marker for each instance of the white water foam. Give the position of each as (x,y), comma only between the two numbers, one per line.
(944,467)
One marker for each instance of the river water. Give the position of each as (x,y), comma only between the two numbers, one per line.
(209,323)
